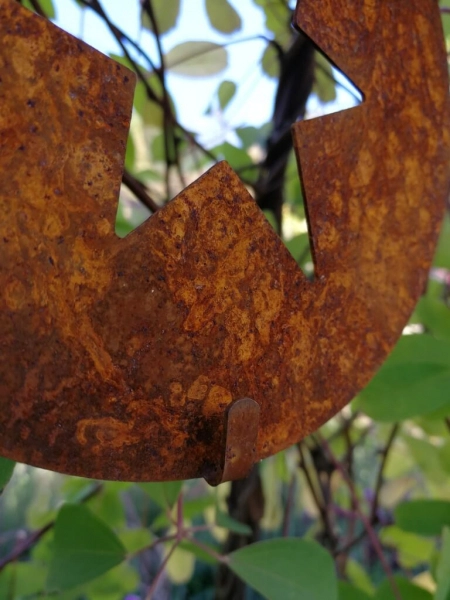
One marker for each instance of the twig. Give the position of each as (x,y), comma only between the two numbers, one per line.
(323,512)
(160,571)
(289,505)
(366,522)
(139,190)
(380,476)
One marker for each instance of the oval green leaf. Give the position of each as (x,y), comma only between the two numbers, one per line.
(270,62)
(166,15)
(46,5)
(324,85)
(407,590)
(227,89)
(197,59)
(414,381)
(424,517)
(443,569)
(227,522)
(84,548)
(6,471)
(350,592)
(223,16)
(286,568)
(164,493)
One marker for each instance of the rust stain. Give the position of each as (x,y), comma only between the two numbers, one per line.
(195,346)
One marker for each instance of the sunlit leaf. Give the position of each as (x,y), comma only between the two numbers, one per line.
(166,15)
(223,16)
(443,569)
(278,18)
(197,59)
(200,553)
(408,591)
(84,548)
(227,89)
(254,135)
(46,5)
(6,471)
(270,62)
(136,539)
(286,568)
(324,85)
(227,522)
(414,381)
(165,494)
(24,578)
(412,549)
(238,159)
(130,155)
(346,591)
(424,517)
(298,246)
(180,567)
(435,315)
(442,256)
(358,576)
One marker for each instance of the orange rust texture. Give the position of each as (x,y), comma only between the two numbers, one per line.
(120,358)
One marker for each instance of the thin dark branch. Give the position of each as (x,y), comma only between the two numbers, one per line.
(139,190)
(368,526)
(380,477)
(321,507)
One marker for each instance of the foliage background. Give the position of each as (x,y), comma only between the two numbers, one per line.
(361,509)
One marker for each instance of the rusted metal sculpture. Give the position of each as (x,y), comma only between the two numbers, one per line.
(195,346)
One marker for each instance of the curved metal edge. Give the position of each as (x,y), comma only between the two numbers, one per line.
(241,433)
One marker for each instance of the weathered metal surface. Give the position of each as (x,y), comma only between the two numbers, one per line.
(121,359)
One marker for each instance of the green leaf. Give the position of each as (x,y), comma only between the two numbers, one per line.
(270,62)
(407,590)
(286,568)
(199,553)
(227,522)
(412,549)
(254,135)
(130,154)
(136,540)
(238,159)
(227,89)
(414,381)
(166,15)
(298,245)
(165,494)
(21,579)
(349,592)
(443,569)
(278,19)
(442,256)
(435,315)
(84,548)
(424,517)
(197,59)
(46,5)
(223,16)
(324,85)
(358,576)
(6,471)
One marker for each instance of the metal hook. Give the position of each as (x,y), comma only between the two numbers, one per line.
(241,434)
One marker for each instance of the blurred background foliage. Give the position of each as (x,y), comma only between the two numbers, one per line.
(358,511)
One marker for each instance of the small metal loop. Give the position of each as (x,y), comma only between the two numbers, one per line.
(241,431)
